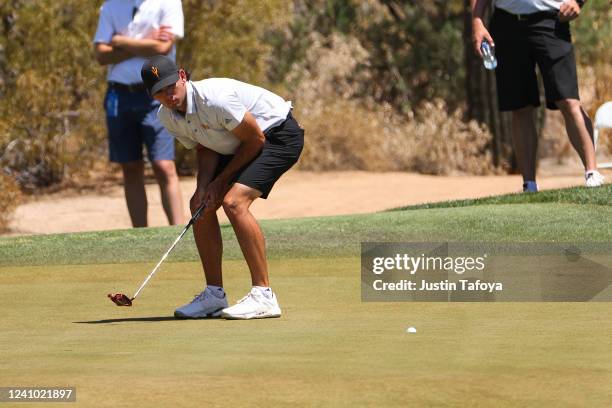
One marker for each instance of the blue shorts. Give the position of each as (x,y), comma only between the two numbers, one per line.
(131,118)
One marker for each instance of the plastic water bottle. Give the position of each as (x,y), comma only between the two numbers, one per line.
(488,55)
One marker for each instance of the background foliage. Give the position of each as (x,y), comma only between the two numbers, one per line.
(367,78)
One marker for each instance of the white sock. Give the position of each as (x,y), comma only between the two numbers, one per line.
(589,172)
(217,291)
(266,291)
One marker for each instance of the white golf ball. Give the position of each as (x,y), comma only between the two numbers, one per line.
(411,330)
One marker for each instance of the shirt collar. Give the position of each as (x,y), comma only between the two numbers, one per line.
(189,95)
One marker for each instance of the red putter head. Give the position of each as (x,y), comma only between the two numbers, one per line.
(120,299)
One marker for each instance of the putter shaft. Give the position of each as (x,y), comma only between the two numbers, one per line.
(176,241)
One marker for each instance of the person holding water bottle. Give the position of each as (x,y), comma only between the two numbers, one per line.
(525,33)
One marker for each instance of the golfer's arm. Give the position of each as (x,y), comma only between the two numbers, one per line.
(207,163)
(107,54)
(142,47)
(252,139)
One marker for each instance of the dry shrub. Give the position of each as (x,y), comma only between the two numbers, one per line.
(343,135)
(446,144)
(330,68)
(9,199)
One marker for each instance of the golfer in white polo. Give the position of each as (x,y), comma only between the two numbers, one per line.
(246,138)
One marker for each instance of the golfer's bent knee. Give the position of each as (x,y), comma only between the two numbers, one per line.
(233,206)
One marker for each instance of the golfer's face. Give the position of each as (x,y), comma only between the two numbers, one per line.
(172,96)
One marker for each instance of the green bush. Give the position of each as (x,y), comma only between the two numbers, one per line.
(225,38)
(414,51)
(51,124)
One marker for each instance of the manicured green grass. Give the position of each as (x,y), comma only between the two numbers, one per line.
(575,195)
(329,348)
(327,236)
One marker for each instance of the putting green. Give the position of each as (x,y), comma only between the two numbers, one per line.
(59,329)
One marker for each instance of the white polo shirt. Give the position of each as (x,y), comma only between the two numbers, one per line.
(215,106)
(116,18)
(528,6)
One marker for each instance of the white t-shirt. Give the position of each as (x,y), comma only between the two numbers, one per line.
(215,106)
(528,6)
(116,18)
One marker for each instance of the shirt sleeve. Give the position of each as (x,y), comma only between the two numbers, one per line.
(229,111)
(105,31)
(172,15)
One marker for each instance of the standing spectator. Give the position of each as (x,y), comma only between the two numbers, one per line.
(128,32)
(526,33)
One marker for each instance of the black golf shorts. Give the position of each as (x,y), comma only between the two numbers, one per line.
(520,44)
(281,150)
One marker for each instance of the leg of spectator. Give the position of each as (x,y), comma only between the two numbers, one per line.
(580,131)
(172,201)
(525,140)
(135,194)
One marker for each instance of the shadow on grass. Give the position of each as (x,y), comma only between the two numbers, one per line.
(132,319)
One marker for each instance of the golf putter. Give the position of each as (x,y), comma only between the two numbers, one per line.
(123,300)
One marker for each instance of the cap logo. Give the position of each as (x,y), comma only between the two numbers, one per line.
(155,72)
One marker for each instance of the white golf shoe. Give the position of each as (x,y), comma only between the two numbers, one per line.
(206,304)
(255,305)
(593,178)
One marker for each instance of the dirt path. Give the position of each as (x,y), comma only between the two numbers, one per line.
(298,194)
